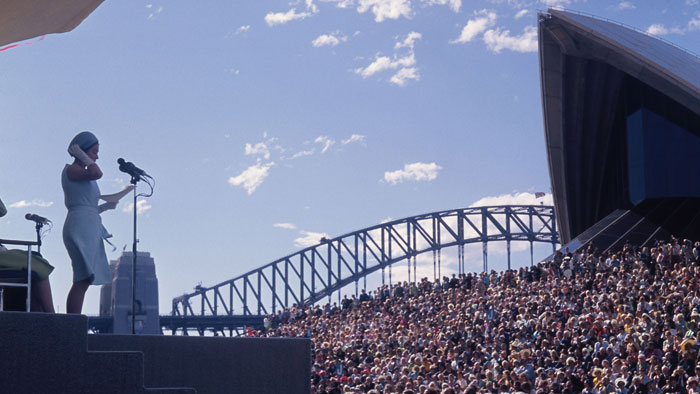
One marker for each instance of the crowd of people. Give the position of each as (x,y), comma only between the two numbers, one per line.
(585,322)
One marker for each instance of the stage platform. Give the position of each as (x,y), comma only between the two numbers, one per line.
(52,353)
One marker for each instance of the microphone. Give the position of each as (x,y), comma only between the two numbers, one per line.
(129,168)
(36,218)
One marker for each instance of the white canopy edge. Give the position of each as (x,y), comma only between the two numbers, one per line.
(24,19)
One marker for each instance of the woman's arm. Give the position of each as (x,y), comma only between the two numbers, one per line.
(76,172)
(88,171)
(117,196)
(113,199)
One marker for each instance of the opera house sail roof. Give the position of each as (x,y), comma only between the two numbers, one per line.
(601,81)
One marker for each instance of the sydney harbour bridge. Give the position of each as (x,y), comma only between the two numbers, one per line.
(321,271)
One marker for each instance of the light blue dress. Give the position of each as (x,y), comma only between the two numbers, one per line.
(83,232)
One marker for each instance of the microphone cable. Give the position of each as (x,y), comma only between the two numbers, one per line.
(45,229)
(147,179)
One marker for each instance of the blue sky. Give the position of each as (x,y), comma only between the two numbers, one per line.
(268,124)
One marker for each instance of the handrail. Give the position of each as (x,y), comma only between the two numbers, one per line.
(28,285)
(18,242)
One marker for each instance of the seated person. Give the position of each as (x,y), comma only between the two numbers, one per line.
(13,263)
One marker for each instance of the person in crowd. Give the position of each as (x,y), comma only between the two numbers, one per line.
(622,322)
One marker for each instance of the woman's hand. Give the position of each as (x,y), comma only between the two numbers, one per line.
(84,168)
(117,196)
(79,154)
(107,206)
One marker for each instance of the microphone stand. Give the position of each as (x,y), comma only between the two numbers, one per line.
(136,176)
(38,227)
(134,180)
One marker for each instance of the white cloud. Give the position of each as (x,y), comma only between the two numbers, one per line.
(340,3)
(625,5)
(258,149)
(555,3)
(694,24)
(303,153)
(498,40)
(514,199)
(409,41)
(155,12)
(413,172)
(280,18)
(404,63)
(332,40)
(521,14)
(403,75)
(311,6)
(325,141)
(382,63)
(658,29)
(262,148)
(252,177)
(515,4)
(309,238)
(325,40)
(454,5)
(386,9)
(141,207)
(287,226)
(242,29)
(484,19)
(353,138)
(692,2)
(234,71)
(33,203)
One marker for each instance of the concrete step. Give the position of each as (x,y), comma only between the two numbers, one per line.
(47,354)
(24,332)
(219,365)
(41,352)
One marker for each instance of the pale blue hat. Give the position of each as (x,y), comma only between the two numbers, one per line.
(84,140)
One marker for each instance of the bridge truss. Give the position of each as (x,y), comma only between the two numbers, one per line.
(312,274)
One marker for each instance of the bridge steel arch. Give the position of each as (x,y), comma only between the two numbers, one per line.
(316,272)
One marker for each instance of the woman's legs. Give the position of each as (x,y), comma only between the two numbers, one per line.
(41,289)
(76,295)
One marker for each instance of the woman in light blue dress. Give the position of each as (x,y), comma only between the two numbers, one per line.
(83,233)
